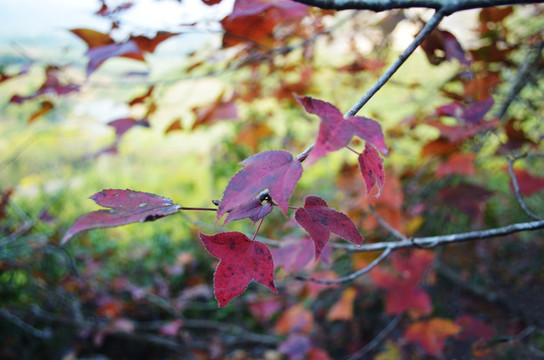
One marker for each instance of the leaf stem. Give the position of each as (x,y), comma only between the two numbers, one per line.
(197,209)
(258,228)
(352,150)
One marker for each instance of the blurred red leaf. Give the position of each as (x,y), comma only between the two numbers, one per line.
(253,210)
(121,126)
(403,291)
(126,207)
(264,308)
(97,55)
(293,255)
(219,110)
(459,164)
(295,347)
(174,126)
(171,328)
(319,220)
(45,107)
(343,308)
(274,170)
(5,196)
(442,45)
(528,184)
(146,44)
(241,260)
(51,85)
(432,334)
(255,20)
(459,133)
(471,114)
(252,134)
(295,319)
(473,329)
(140,99)
(468,198)
(371,166)
(335,132)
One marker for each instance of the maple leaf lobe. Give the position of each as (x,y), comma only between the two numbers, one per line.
(241,260)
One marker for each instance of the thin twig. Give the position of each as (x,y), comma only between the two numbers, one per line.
(450,6)
(351,276)
(433,241)
(42,334)
(386,225)
(517,190)
(424,33)
(378,339)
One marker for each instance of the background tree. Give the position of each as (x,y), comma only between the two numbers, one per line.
(447,153)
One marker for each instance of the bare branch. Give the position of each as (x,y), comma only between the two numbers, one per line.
(450,6)
(386,225)
(42,334)
(353,275)
(378,339)
(422,35)
(525,69)
(432,241)
(517,191)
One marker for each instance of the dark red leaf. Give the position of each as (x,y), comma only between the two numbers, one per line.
(442,45)
(255,20)
(371,165)
(335,132)
(255,210)
(319,220)
(241,260)
(274,170)
(126,207)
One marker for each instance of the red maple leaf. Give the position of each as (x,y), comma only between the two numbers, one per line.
(335,132)
(121,126)
(432,334)
(371,165)
(275,170)
(319,220)
(241,260)
(126,207)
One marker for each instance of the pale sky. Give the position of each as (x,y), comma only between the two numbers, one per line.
(31,20)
